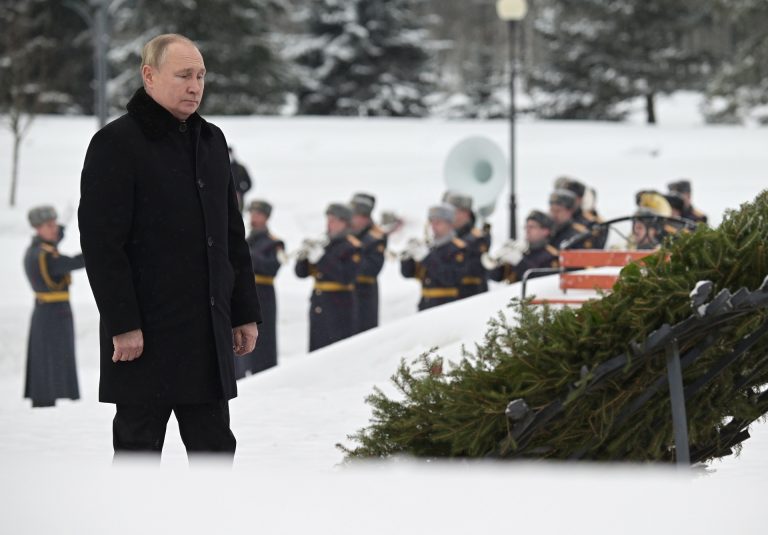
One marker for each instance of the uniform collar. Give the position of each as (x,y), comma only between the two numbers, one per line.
(155,120)
(442,241)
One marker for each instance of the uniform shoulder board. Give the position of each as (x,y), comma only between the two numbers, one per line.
(376,232)
(551,249)
(48,247)
(354,241)
(458,242)
(579,227)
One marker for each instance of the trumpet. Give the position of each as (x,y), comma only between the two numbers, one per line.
(306,246)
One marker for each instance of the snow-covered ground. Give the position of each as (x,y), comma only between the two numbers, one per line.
(55,463)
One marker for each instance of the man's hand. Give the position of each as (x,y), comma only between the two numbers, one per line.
(244,338)
(128,346)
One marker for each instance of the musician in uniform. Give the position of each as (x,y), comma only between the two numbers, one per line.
(373,244)
(51,372)
(477,243)
(562,207)
(586,217)
(683,188)
(266,253)
(334,266)
(441,265)
(512,263)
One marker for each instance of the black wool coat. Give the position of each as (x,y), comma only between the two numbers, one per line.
(165,252)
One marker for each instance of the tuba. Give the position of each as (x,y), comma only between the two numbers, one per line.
(477,167)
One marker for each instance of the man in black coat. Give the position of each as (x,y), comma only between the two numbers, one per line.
(51,371)
(334,265)
(166,257)
(373,243)
(266,253)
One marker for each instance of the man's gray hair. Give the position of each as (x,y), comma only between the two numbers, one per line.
(153,53)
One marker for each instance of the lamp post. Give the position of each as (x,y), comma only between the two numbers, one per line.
(97,22)
(512,11)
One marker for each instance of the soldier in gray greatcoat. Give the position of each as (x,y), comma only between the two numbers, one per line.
(51,372)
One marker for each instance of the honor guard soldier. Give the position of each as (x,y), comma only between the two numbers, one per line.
(586,217)
(374,243)
(477,242)
(51,372)
(440,266)
(243,182)
(334,264)
(266,254)
(513,261)
(683,188)
(562,206)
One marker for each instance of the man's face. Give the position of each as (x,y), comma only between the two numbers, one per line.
(335,225)
(177,83)
(440,228)
(560,214)
(461,218)
(359,222)
(258,220)
(535,233)
(49,231)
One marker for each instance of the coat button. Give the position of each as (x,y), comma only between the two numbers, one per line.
(200,184)
(318,310)
(318,292)
(213,301)
(210,241)
(427,281)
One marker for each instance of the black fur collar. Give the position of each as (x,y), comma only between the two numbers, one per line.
(155,120)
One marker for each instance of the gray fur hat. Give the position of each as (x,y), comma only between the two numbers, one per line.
(342,211)
(363,203)
(260,206)
(444,211)
(41,214)
(563,197)
(458,200)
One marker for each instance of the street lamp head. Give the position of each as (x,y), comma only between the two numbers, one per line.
(511,10)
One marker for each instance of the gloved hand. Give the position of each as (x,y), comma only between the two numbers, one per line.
(512,252)
(416,249)
(315,252)
(488,262)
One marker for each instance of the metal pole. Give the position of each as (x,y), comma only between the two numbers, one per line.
(100,62)
(677,400)
(512,112)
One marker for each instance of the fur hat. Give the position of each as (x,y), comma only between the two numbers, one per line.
(541,218)
(260,206)
(363,203)
(341,211)
(41,214)
(680,186)
(563,197)
(444,211)
(458,200)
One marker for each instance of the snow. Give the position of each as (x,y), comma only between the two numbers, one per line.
(287,420)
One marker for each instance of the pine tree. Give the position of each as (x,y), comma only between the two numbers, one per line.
(364,57)
(740,86)
(605,53)
(544,356)
(244,74)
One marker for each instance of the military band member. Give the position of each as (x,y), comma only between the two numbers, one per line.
(562,207)
(586,217)
(440,266)
(477,243)
(51,371)
(683,188)
(512,263)
(334,266)
(373,243)
(266,252)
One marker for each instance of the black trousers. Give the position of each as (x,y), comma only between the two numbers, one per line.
(204,428)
